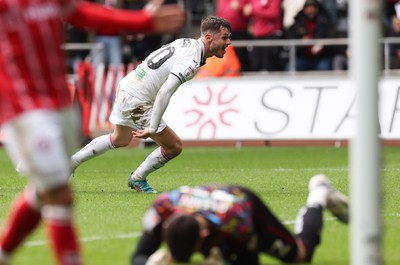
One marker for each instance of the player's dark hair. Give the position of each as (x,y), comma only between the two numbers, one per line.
(213,24)
(181,232)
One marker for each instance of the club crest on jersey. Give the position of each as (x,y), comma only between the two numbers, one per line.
(186,43)
(190,71)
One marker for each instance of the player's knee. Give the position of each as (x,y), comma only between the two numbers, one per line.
(177,149)
(118,141)
(58,196)
(173,150)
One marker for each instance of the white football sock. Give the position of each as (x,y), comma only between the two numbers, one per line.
(153,161)
(96,147)
(317,196)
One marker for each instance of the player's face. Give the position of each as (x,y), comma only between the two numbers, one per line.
(219,42)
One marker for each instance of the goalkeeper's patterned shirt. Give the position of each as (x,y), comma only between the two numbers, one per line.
(227,208)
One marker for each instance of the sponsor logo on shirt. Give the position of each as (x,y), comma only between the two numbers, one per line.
(41,12)
(198,199)
(32,13)
(140,72)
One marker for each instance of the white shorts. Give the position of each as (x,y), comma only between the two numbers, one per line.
(132,112)
(42,142)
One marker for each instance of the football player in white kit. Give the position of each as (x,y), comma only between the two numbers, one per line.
(143,96)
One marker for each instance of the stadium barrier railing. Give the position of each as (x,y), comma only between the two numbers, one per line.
(94,89)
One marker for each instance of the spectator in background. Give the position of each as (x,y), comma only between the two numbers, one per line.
(228,66)
(233,12)
(392,24)
(313,22)
(331,7)
(141,45)
(395,48)
(37,116)
(266,25)
(389,12)
(290,9)
(112,53)
(341,53)
(74,35)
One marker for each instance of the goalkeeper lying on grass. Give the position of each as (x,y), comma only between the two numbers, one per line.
(234,219)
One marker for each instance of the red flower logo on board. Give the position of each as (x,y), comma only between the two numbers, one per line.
(212,110)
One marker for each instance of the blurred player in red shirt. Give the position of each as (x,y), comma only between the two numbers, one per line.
(36,114)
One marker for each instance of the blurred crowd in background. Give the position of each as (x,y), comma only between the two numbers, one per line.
(250,20)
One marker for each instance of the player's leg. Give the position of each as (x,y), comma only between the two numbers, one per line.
(57,214)
(170,146)
(308,228)
(24,216)
(273,237)
(56,194)
(121,137)
(35,146)
(308,224)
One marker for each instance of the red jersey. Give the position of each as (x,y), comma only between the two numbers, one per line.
(33,71)
(233,14)
(267,18)
(33,67)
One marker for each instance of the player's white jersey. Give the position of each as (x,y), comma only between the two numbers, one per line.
(182,58)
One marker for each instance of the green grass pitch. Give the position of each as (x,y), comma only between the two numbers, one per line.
(109,214)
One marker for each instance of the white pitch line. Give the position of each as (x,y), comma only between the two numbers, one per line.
(121,236)
(392,214)
(137,234)
(282,169)
(87,239)
(292,221)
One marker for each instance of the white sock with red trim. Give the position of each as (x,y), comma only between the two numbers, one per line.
(96,147)
(153,161)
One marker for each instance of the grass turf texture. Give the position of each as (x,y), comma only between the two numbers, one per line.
(109,214)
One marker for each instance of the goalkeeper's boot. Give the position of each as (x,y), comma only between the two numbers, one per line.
(336,202)
(140,185)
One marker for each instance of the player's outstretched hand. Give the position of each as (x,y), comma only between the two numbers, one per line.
(160,257)
(142,134)
(214,258)
(168,19)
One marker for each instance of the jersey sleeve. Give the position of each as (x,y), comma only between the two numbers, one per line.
(68,7)
(151,219)
(95,16)
(162,100)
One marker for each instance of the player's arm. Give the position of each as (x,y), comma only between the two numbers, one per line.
(160,19)
(151,238)
(160,105)
(162,100)
(147,245)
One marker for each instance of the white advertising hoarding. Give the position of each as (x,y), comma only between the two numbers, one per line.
(274,109)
